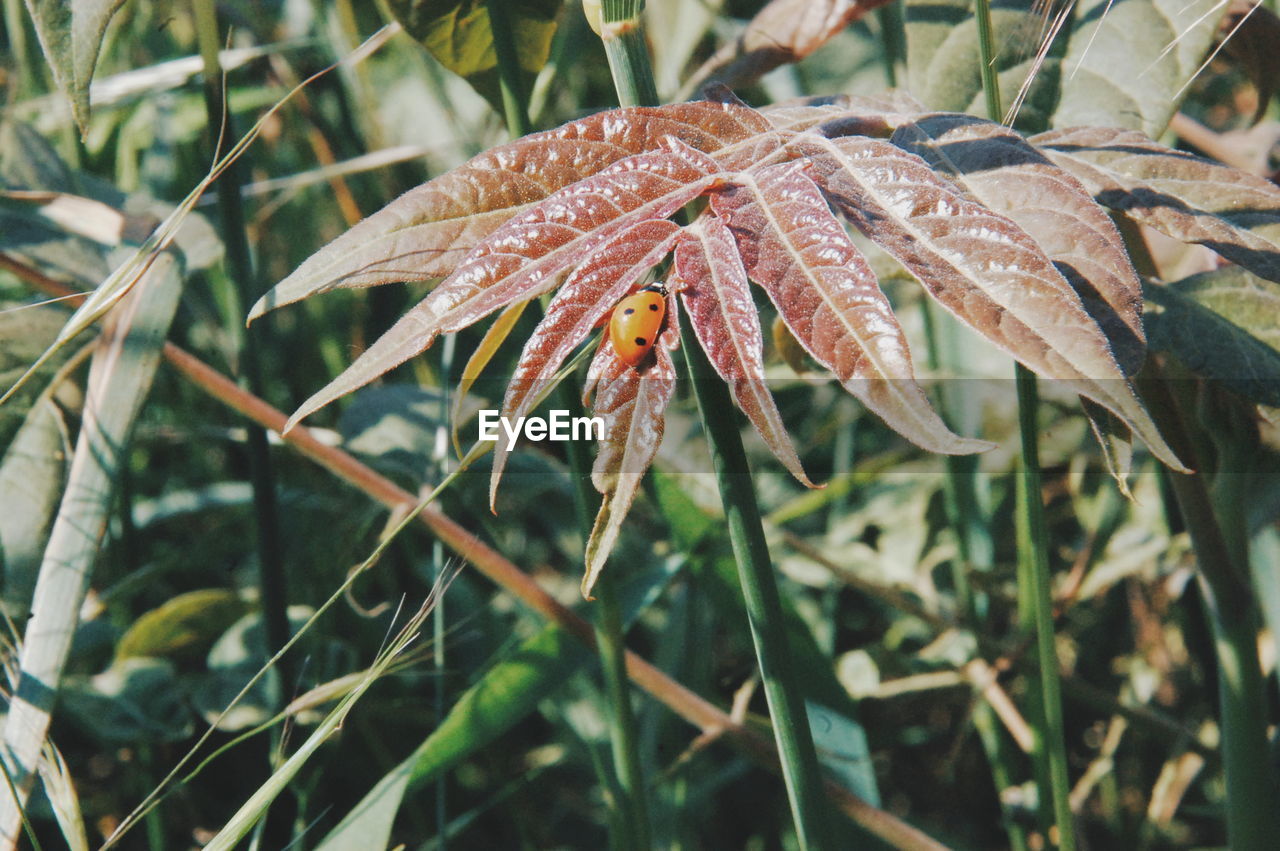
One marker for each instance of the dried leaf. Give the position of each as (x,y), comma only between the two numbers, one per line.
(1191,199)
(980,266)
(715,291)
(788,347)
(1115,440)
(632,403)
(526,256)
(1000,169)
(426,232)
(782,32)
(828,296)
(586,297)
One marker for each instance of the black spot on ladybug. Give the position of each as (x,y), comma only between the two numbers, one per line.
(628,311)
(654,308)
(641,341)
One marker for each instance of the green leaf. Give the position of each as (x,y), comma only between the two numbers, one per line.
(1223,325)
(31,478)
(942,58)
(184,627)
(1128,63)
(509,691)
(71,36)
(133,701)
(458,35)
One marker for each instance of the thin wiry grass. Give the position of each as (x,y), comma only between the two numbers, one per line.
(1047,38)
(1214,54)
(122,280)
(167,784)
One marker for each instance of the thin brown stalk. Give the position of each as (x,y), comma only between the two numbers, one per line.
(701,713)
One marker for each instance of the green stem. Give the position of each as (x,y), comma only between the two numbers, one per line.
(974,551)
(800,768)
(271,575)
(1035,595)
(632,810)
(514,102)
(987,53)
(622,30)
(891,38)
(1034,582)
(1253,820)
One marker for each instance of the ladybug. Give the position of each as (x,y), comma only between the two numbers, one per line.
(636,322)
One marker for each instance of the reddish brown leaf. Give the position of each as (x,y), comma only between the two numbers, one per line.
(1191,199)
(1009,176)
(828,296)
(632,403)
(714,290)
(525,257)
(426,232)
(980,266)
(586,298)
(845,115)
(783,31)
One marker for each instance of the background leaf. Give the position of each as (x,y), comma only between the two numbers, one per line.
(119,380)
(1223,325)
(458,34)
(71,34)
(1128,63)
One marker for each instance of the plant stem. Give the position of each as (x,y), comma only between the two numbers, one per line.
(622,31)
(1035,595)
(760,592)
(1253,820)
(271,575)
(514,102)
(1034,582)
(987,54)
(974,550)
(623,34)
(630,791)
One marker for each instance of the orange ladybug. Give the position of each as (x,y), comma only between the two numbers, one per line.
(636,322)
